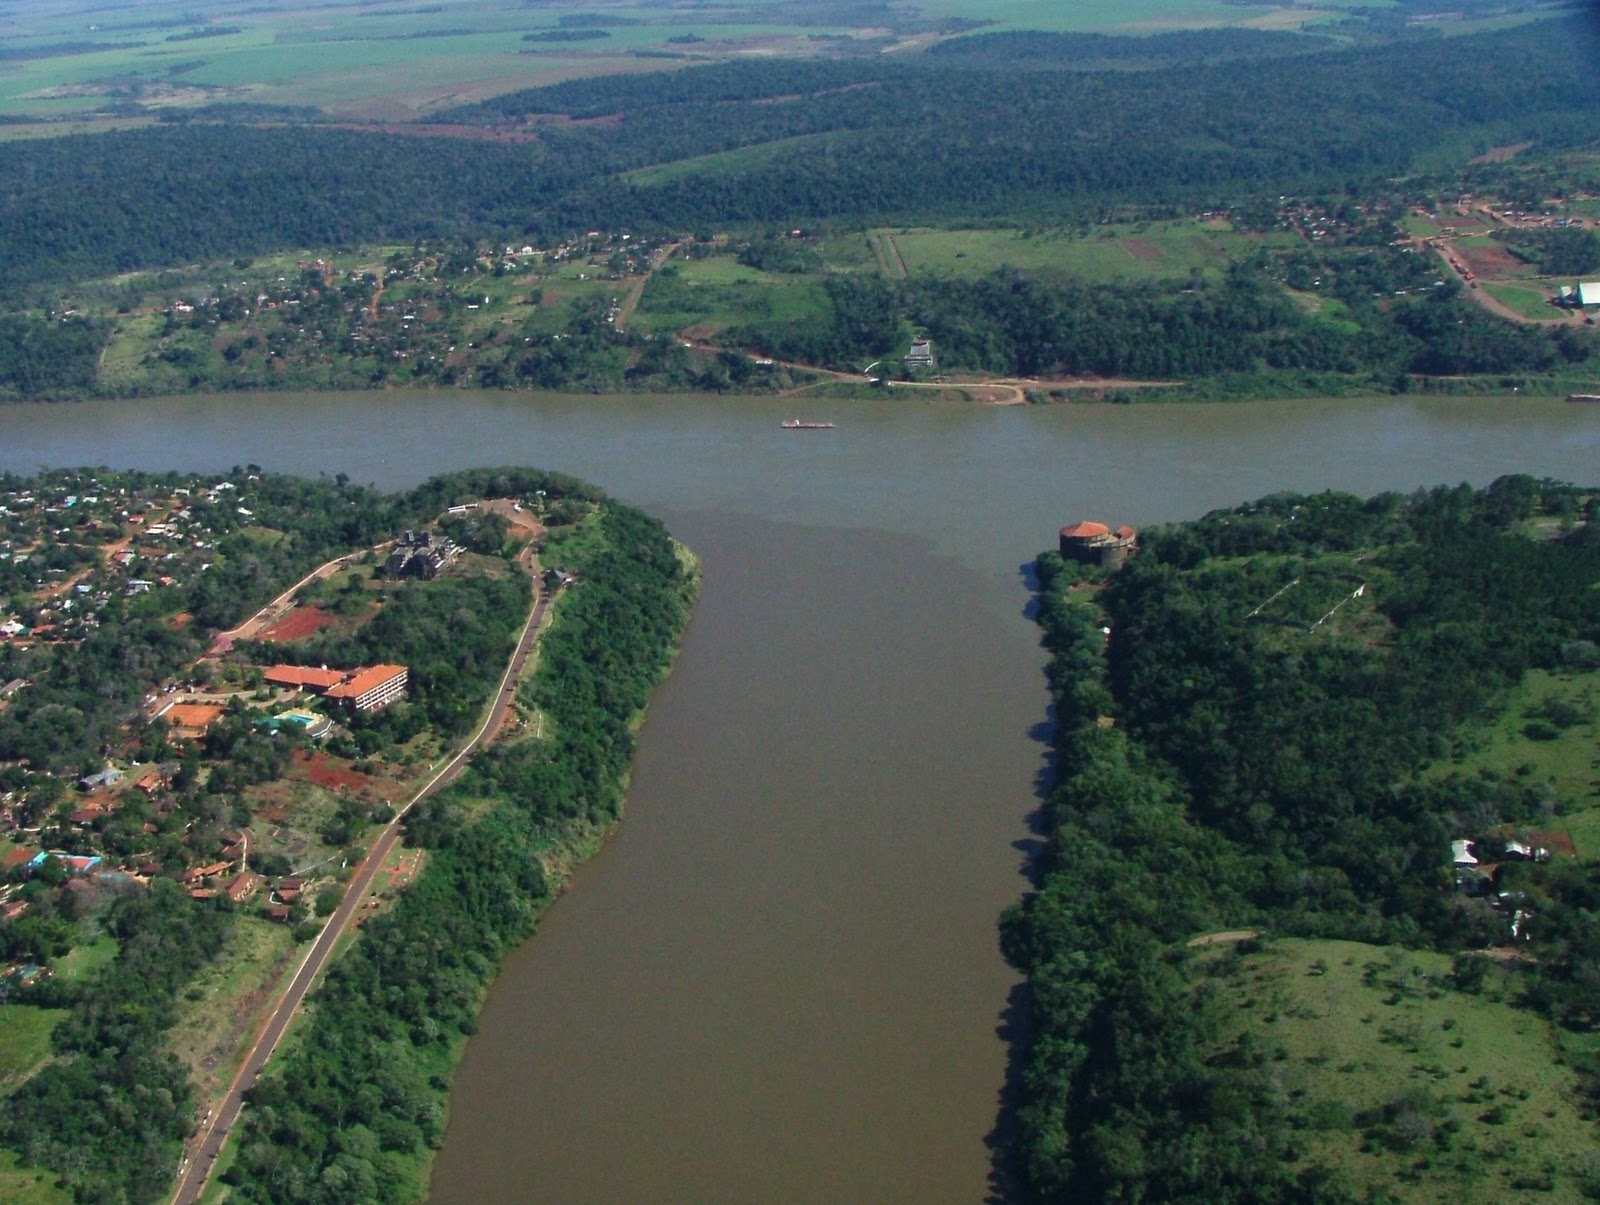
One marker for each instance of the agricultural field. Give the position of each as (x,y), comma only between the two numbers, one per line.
(71,60)
(698,297)
(1407,1075)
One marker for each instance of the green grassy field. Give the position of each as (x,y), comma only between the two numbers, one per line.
(703,296)
(1519,745)
(24,1041)
(1146,250)
(28,1185)
(1530,301)
(722,162)
(86,959)
(1122,16)
(1406,1086)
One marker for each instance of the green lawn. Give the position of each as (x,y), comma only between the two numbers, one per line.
(24,1041)
(1403,1084)
(86,959)
(1529,301)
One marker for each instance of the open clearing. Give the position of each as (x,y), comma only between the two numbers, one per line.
(1402,1083)
(1106,254)
(24,1041)
(218,1012)
(1523,745)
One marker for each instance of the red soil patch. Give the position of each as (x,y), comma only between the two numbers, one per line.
(181,620)
(1489,261)
(1556,843)
(1142,250)
(320,771)
(299,623)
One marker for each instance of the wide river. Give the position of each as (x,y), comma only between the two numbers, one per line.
(780,981)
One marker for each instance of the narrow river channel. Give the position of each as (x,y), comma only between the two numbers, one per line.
(780,981)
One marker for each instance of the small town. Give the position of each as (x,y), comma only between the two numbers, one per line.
(245,773)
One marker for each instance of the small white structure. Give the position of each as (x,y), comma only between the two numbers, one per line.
(1461,853)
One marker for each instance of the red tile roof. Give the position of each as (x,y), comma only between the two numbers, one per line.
(303,675)
(364,680)
(1086,530)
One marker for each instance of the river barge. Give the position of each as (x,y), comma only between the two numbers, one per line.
(801,424)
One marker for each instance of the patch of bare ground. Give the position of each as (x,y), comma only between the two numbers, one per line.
(1489,261)
(1499,154)
(1229,937)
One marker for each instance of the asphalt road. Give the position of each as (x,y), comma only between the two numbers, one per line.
(201,1154)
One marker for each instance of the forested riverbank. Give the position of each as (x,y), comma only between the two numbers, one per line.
(1273,723)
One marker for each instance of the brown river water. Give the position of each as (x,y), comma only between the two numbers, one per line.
(780,981)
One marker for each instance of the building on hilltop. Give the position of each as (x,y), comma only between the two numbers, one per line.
(303,677)
(366,689)
(1091,543)
(372,688)
(420,554)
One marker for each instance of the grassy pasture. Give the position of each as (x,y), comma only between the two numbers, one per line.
(24,1041)
(722,162)
(1142,251)
(1515,746)
(1404,1085)
(707,295)
(21,1185)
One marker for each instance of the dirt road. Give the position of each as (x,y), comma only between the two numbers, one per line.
(201,1154)
(273,611)
(1493,304)
(636,290)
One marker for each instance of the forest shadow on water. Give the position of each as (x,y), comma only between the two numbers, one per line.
(1005,1182)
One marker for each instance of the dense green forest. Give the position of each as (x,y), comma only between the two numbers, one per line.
(1276,734)
(849,139)
(352,1112)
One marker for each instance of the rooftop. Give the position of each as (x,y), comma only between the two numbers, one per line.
(364,680)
